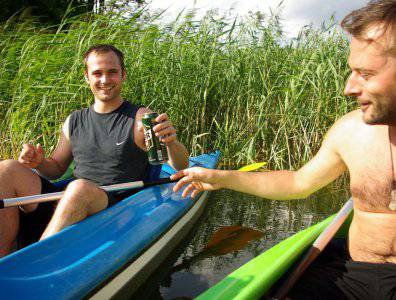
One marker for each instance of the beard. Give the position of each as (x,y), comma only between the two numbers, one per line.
(380,113)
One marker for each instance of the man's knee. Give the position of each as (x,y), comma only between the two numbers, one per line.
(17,180)
(87,193)
(9,166)
(12,168)
(81,186)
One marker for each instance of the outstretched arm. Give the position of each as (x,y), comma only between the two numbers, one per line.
(325,167)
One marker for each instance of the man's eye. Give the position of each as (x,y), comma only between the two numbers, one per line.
(366,75)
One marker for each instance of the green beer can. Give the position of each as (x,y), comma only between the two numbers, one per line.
(156,150)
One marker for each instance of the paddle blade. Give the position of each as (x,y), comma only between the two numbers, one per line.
(252,167)
(229,239)
(225,240)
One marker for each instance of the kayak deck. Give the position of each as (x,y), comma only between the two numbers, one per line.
(75,261)
(255,278)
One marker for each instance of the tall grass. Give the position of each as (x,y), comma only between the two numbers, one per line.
(241,88)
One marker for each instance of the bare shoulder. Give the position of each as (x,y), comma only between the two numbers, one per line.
(345,126)
(350,120)
(65,128)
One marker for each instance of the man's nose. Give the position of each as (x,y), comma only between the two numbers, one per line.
(352,87)
(104,78)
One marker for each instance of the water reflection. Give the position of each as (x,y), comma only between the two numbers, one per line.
(190,272)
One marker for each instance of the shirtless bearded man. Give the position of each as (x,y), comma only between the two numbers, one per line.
(362,142)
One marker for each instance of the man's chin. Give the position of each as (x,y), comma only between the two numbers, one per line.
(105,99)
(371,119)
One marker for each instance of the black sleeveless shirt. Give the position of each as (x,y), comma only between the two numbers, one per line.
(103,146)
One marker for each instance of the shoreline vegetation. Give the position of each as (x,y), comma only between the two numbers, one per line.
(241,87)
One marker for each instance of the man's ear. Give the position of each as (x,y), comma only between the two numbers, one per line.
(86,77)
(123,74)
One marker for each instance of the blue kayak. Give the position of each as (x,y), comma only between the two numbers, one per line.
(109,253)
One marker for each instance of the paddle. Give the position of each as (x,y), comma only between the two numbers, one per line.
(9,202)
(316,248)
(252,167)
(225,240)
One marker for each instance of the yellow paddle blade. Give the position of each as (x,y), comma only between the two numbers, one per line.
(252,167)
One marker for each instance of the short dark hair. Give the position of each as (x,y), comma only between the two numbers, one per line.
(376,11)
(104,48)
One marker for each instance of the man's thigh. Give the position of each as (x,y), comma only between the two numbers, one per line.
(84,195)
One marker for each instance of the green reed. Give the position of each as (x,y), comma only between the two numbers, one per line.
(240,88)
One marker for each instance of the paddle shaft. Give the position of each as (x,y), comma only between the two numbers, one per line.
(316,248)
(9,202)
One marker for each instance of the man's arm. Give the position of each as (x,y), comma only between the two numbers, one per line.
(325,167)
(57,163)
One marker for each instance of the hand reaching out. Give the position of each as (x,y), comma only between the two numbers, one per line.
(196,180)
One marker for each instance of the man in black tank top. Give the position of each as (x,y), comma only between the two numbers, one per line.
(106,143)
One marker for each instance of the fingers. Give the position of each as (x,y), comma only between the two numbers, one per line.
(40,150)
(27,154)
(189,189)
(162,117)
(182,182)
(168,139)
(188,180)
(31,156)
(165,130)
(178,175)
(195,193)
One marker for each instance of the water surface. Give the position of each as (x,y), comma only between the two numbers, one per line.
(187,273)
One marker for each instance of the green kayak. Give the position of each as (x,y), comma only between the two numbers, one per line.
(255,278)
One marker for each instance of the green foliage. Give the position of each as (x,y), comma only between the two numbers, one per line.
(238,88)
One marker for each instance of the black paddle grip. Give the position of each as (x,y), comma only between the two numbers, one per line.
(158,182)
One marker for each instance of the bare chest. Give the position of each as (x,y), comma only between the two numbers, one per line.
(370,168)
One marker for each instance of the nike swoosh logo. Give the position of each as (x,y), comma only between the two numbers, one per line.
(120,143)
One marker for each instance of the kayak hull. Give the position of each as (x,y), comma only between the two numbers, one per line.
(84,257)
(255,278)
(130,279)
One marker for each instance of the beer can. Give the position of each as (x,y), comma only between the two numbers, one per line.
(156,150)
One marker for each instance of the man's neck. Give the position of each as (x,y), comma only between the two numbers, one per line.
(106,107)
(392,133)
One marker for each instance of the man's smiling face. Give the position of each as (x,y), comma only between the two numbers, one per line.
(105,76)
(373,78)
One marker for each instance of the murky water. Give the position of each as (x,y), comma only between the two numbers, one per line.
(187,273)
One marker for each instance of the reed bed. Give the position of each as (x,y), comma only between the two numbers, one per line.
(237,87)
